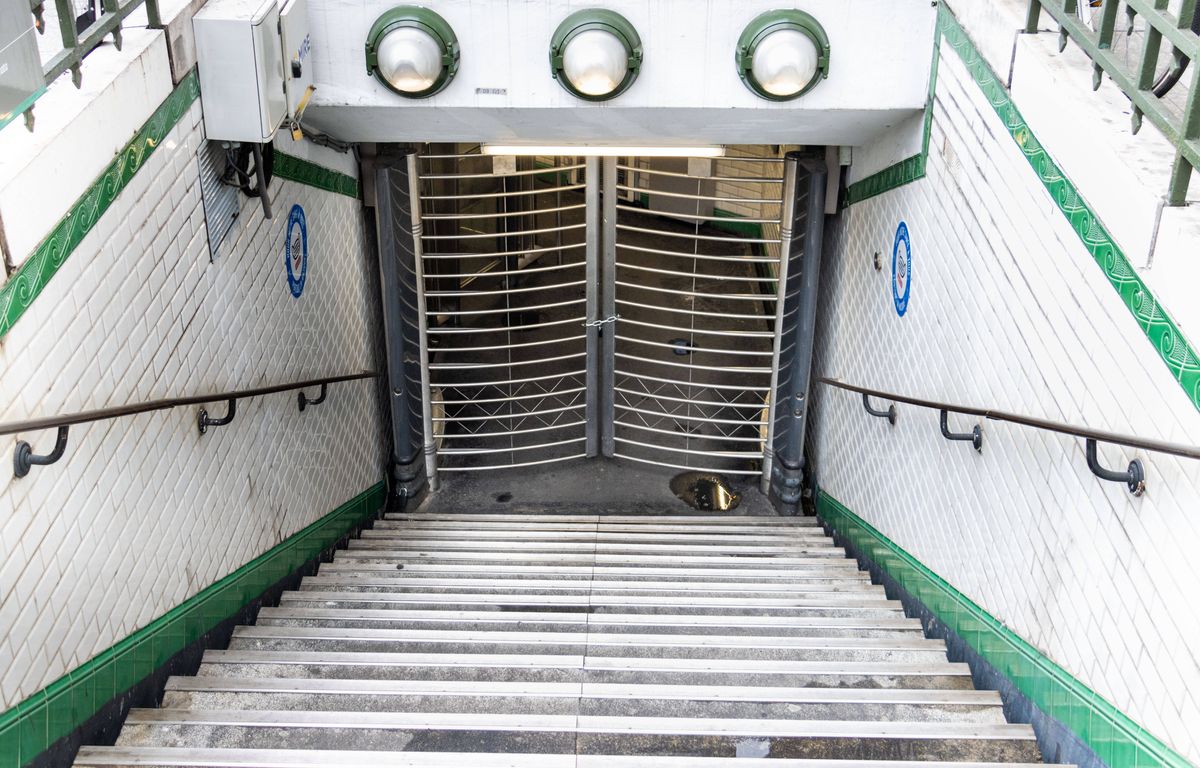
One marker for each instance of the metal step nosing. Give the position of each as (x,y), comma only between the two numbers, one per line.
(835,729)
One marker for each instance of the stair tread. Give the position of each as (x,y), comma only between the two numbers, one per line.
(286,758)
(590,638)
(578,637)
(585,723)
(589,690)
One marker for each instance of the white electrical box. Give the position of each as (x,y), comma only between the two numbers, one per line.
(255,68)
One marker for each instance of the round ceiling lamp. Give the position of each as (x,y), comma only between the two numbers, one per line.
(783,54)
(412,51)
(595,54)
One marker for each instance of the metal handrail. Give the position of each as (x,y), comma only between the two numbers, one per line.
(77,45)
(1133,476)
(1138,82)
(24,458)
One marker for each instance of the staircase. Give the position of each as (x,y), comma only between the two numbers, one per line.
(554,640)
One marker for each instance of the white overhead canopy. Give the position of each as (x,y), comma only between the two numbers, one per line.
(688,90)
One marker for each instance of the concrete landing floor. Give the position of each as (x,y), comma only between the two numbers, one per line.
(590,486)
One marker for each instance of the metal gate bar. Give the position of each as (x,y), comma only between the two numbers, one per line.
(507,288)
(697,291)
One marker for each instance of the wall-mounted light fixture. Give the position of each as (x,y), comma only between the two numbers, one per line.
(599,150)
(595,54)
(782,54)
(413,51)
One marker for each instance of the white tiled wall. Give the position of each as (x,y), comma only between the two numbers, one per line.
(143,512)
(1009,311)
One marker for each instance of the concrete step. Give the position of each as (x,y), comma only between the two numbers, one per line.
(185,757)
(814,606)
(265,638)
(589,641)
(530,667)
(810,548)
(627,534)
(514,525)
(824,570)
(490,732)
(540,518)
(401,580)
(397,581)
(547,621)
(738,702)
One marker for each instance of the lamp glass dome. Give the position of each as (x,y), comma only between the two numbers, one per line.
(410,59)
(595,61)
(785,62)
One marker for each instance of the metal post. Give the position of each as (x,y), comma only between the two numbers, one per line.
(608,304)
(591,196)
(430,444)
(787,219)
(391,186)
(789,465)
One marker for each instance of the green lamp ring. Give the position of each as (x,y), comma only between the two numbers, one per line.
(773,21)
(601,19)
(429,22)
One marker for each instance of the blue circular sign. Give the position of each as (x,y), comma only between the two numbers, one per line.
(295,250)
(901,269)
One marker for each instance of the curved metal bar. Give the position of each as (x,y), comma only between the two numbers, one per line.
(700,256)
(1134,477)
(747,179)
(975,436)
(204,421)
(502,235)
(534,172)
(492,195)
(534,212)
(25,459)
(693,236)
(889,414)
(767,200)
(303,402)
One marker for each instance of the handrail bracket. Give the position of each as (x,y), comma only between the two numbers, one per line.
(204,421)
(25,459)
(303,402)
(889,414)
(1134,477)
(975,436)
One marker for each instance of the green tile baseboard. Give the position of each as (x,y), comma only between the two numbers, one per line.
(1114,737)
(308,173)
(35,724)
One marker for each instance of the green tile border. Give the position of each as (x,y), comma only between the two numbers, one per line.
(309,173)
(24,285)
(27,283)
(1175,351)
(32,726)
(1115,738)
(912,168)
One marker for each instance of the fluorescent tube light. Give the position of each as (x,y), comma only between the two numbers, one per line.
(594,150)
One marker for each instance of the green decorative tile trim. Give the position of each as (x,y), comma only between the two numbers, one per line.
(28,282)
(305,172)
(1113,736)
(1153,318)
(32,726)
(912,168)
